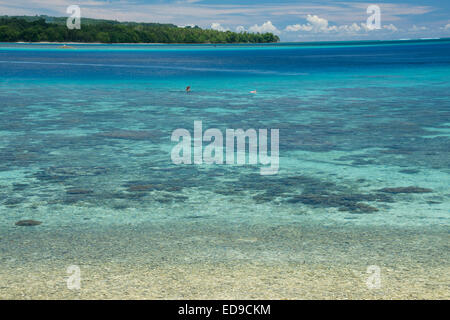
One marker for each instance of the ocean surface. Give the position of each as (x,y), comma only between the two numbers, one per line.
(85,148)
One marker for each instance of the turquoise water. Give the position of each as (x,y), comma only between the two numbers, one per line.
(352,120)
(85,137)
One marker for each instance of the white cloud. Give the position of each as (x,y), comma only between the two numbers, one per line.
(416,28)
(355,27)
(218,27)
(390,27)
(298,27)
(317,24)
(447,27)
(240,29)
(265,27)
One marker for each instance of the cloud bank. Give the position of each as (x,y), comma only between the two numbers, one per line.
(317,24)
(265,27)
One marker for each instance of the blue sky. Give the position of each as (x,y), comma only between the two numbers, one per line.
(311,20)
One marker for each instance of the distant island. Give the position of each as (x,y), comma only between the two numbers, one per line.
(53,29)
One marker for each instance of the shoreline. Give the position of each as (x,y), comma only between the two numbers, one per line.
(303,43)
(200,261)
(250,281)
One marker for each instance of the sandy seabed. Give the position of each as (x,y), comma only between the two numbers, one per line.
(246,281)
(203,261)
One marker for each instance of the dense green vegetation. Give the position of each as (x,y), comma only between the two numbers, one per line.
(43,28)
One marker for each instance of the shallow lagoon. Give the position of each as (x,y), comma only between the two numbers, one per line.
(85,148)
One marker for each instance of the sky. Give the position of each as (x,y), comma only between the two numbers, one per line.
(291,20)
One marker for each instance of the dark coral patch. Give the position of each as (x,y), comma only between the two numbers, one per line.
(78,191)
(27,223)
(359,208)
(13,201)
(411,189)
(59,174)
(409,171)
(263,197)
(345,202)
(19,186)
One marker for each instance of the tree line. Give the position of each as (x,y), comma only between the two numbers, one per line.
(35,29)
